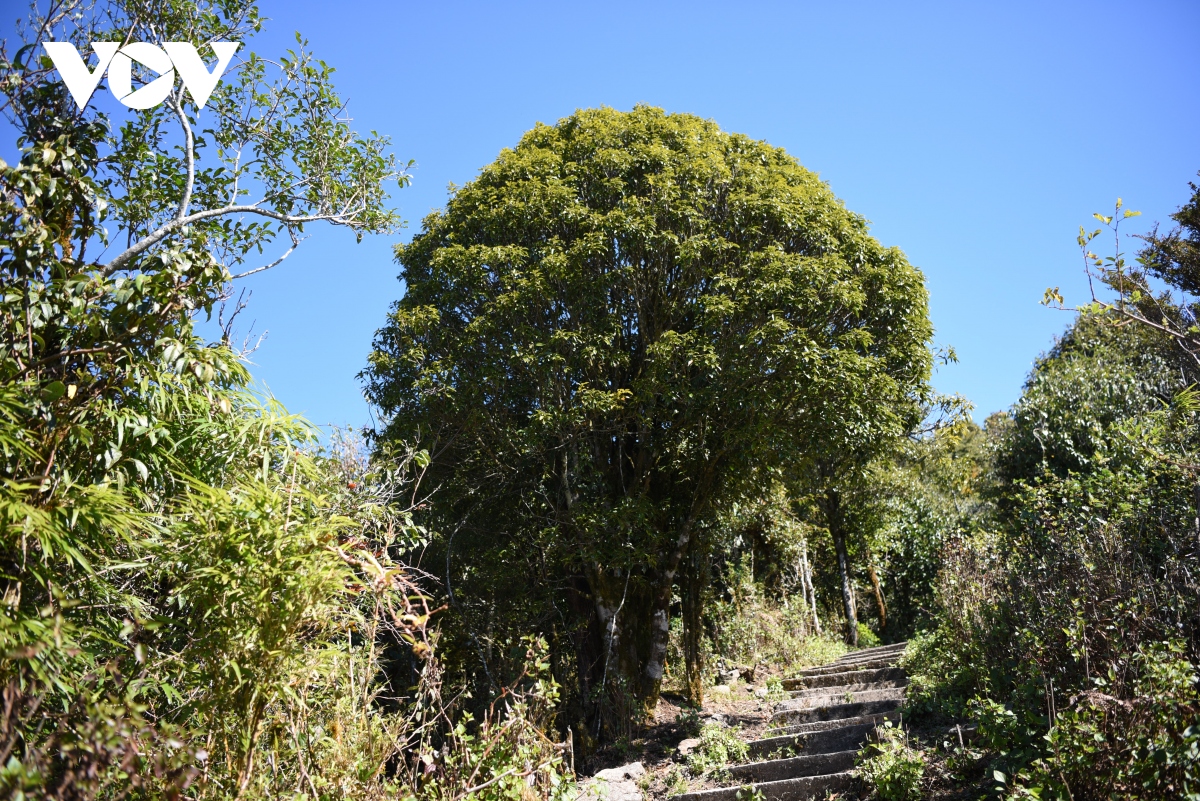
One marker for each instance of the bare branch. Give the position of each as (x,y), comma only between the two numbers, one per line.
(295,243)
(189,152)
(226,325)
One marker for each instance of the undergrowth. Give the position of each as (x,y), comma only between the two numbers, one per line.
(750,628)
(892,768)
(720,746)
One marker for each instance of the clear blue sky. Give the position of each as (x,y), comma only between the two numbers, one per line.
(976,137)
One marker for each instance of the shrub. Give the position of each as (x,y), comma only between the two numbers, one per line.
(505,755)
(891,767)
(866,637)
(1105,747)
(1068,621)
(719,747)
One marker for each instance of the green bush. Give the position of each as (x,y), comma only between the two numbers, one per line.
(720,746)
(891,767)
(749,627)
(866,637)
(200,601)
(1147,747)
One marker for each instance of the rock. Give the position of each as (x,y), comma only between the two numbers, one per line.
(761,692)
(722,689)
(614,784)
(687,746)
(600,790)
(632,771)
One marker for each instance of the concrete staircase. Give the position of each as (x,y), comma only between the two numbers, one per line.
(816,733)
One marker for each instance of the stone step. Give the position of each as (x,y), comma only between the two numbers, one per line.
(842,689)
(831,696)
(891,656)
(845,677)
(842,738)
(812,727)
(867,653)
(878,649)
(801,789)
(831,712)
(774,770)
(790,717)
(872,664)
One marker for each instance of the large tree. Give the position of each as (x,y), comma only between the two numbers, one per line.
(623,323)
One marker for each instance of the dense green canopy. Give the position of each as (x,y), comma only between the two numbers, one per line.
(623,323)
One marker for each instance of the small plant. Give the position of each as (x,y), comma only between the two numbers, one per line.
(644,781)
(749,793)
(775,691)
(676,780)
(785,752)
(688,721)
(892,768)
(719,747)
(962,762)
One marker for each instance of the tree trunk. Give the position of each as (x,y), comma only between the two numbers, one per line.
(875,585)
(1196,495)
(810,590)
(616,622)
(693,633)
(642,629)
(634,628)
(836,524)
(656,662)
(652,673)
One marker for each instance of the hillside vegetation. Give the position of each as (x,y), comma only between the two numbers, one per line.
(1068,623)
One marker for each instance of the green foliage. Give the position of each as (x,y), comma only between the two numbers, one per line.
(613,333)
(676,780)
(1157,292)
(897,515)
(1174,257)
(1095,377)
(866,637)
(197,598)
(770,635)
(720,746)
(749,793)
(942,675)
(891,767)
(749,628)
(933,495)
(1147,746)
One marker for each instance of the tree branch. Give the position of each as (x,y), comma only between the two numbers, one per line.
(150,240)
(295,243)
(189,152)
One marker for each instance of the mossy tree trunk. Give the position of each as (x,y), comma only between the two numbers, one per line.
(835,520)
